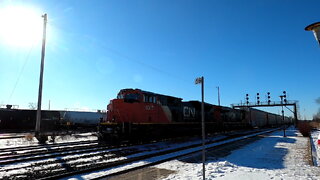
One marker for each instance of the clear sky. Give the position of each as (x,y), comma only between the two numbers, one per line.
(96,48)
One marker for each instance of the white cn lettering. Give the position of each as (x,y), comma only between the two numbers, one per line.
(189,112)
(186,111)
(193,112)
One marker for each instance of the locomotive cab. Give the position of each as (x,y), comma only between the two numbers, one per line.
(130,95)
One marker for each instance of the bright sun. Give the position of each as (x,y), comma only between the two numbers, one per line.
(20,26)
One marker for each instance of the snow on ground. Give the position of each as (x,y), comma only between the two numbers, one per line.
(155,159)
(272,157)
(28,139)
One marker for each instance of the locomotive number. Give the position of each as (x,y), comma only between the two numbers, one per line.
(149,108)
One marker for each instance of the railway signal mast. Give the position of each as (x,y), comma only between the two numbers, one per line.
(283,99)
(283,103)
(38,121)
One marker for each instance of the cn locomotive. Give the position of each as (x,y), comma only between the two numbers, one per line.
(137,114)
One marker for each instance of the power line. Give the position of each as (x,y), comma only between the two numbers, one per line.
(127,58)
(20,73)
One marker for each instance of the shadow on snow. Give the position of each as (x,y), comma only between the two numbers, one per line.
(257,152)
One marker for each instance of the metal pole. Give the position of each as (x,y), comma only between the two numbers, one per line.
(41,75)
(295,114)
(284,126)
(218,95)
(284,130)
(203,130)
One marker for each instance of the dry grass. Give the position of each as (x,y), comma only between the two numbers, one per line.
(304,128)
(315,125)
(29,137)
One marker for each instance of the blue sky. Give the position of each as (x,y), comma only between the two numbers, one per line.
(96,48)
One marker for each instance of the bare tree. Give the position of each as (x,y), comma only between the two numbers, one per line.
(317,116)
(32,105)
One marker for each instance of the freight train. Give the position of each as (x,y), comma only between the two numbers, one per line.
(137,114)
(24,120)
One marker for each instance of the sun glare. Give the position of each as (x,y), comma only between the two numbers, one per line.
(20,26)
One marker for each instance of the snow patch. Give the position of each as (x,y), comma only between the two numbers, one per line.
(273,157)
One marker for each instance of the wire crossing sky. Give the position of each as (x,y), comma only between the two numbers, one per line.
(96,48)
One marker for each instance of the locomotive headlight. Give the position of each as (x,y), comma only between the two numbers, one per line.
(109,130)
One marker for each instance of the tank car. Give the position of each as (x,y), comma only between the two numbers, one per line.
(80,119)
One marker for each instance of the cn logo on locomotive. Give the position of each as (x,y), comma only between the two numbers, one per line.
(189,111)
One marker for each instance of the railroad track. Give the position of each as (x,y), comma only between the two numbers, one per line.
(17,154)
(42,166)
(11,137)
(20,148)
(139,162)
(72,162)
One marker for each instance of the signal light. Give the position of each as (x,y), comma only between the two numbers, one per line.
(284,96)
(269,97)
(247,98)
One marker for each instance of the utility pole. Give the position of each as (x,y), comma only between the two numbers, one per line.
(37,130)
(218,95)
(198,81)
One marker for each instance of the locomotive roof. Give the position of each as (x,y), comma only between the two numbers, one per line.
(150,93)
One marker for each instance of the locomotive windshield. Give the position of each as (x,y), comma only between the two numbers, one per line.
(131,97)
